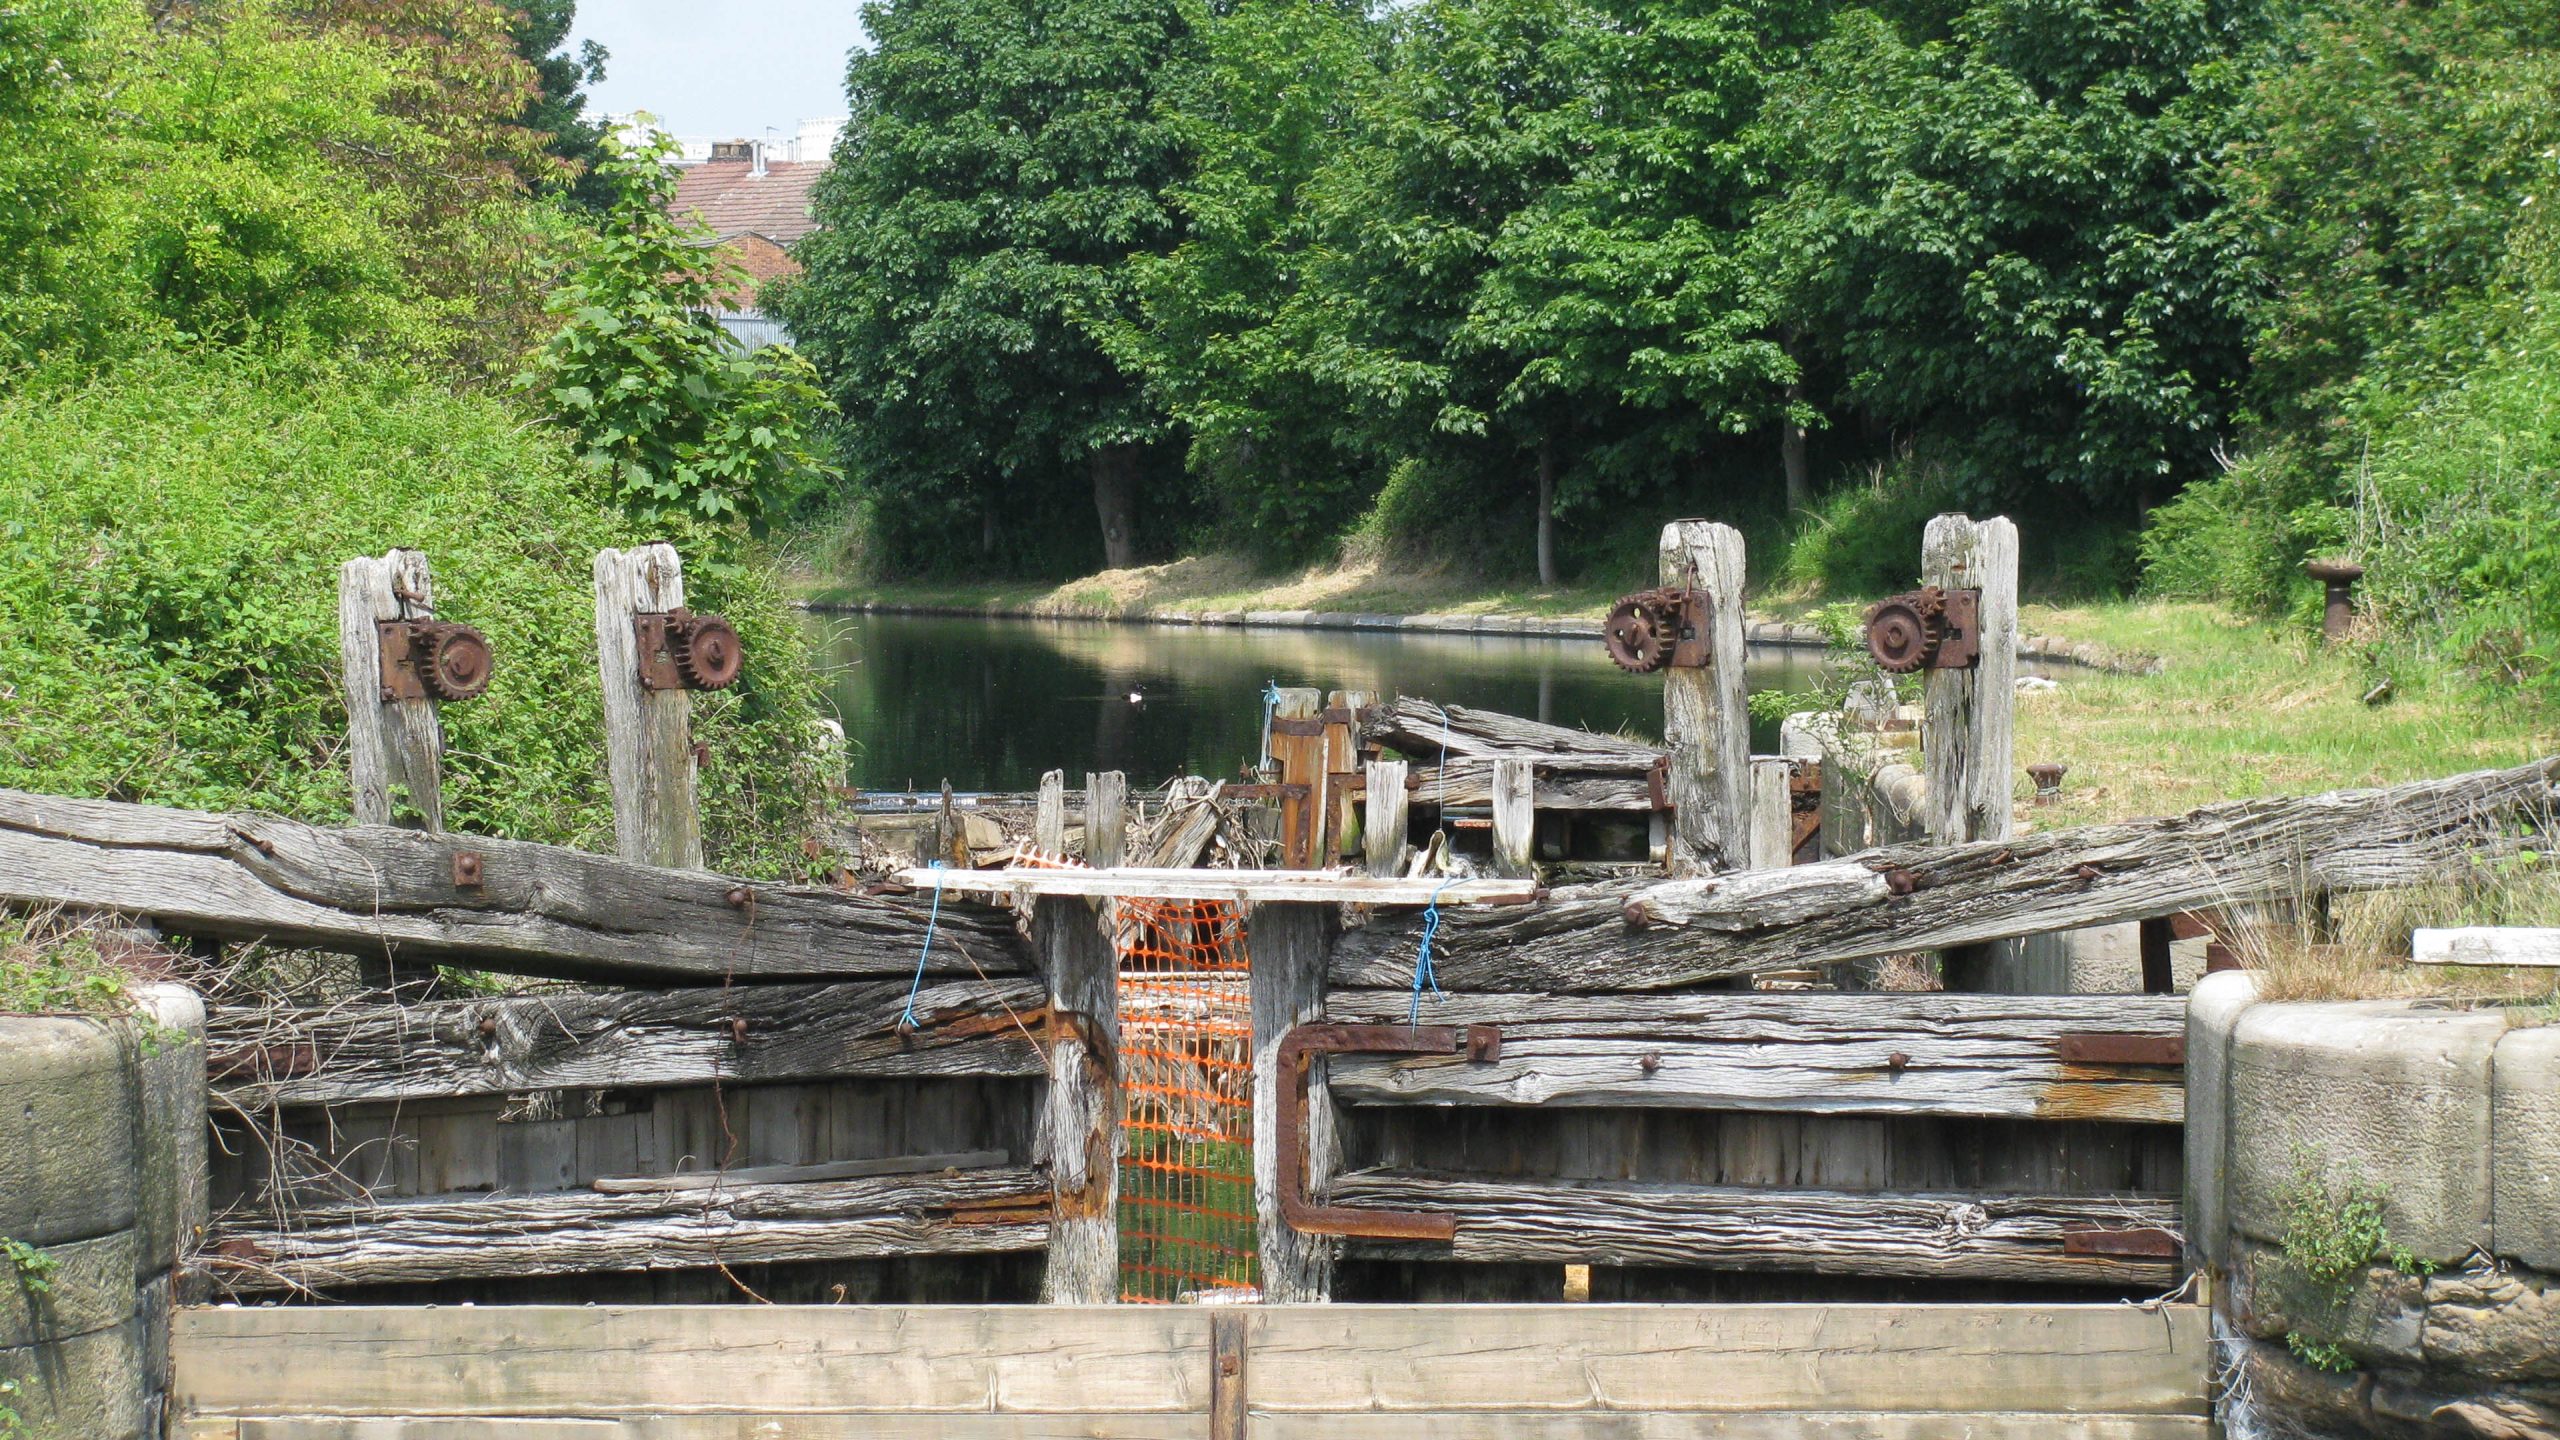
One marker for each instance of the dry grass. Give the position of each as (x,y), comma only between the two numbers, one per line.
(2359,950)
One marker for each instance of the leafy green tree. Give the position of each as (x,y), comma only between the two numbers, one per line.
(1004,161)
(667,406)
(52,59)
(558,108)
(1998,220)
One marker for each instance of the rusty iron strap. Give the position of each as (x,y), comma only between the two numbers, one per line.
(2116,1048)
(1298,1210)
(2147,1241)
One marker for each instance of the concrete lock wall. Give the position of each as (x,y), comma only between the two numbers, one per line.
(2375,1187)
(102,1164)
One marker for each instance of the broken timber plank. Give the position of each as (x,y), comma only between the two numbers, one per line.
(1842,1054)
(578,1231)
(1558,783)
(2486,945)
(1335,887)
(1418,727)
(798,1174)
(529,909)
(1968,1235)
(1919,898)
(616,1039)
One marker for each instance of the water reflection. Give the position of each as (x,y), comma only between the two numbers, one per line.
(990,704)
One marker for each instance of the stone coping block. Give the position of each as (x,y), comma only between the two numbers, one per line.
(2393,1095)
(170,1137)
(67,1129)
(2524,1126)
(91,1386)
(90,1287)
(2214,1008)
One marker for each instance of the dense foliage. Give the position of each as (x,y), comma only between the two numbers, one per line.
(264,267)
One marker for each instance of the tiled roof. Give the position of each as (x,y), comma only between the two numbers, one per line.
(733,200)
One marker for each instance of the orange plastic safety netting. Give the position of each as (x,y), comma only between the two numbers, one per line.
(1186,1084)
(1186,1078)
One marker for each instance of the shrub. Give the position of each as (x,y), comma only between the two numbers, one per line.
(170,534)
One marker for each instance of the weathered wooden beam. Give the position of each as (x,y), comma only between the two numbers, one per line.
(578,1231)
(1706,726)
(1289,943)
(1242,887)
(648,734)
(1515,819)
(1969,723)
(1389,810)
(528,909)
(393,745)
(599,1040)
(1049,819)
(1106,818)
(1772,817)
(1297,750)
(800,1174)
(1572,784)
(1840,1054)
(1419,727)
(1078,1131)
(1919,898)
(1966,1235)
(2486,945)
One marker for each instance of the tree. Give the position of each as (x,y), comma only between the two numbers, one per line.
(52,55)
(558,109)
(679,420)
(1003,163)
(1998,221)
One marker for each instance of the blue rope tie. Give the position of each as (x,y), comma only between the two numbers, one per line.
(1270,707)
(1423,973)
(908,1020)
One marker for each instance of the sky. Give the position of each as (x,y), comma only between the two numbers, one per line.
(721,69)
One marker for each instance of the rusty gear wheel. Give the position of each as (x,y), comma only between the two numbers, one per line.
(1904,632)
(706,651)
(453,661)
(1640,631)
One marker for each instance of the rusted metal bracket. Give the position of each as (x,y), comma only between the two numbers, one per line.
(680,650)
(2118,1048)
(1283,725)
(1298,1210)
(1694,637)
(431,660)
(1657,783)
(1930,628)
(2147,1241)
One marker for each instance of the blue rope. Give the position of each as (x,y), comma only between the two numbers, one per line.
(1270,707)
(909,1019)
(1423,973)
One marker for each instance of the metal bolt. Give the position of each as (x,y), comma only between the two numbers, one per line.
(1636,916)
(466,869)
(1651,1062)
(488,1025)
(1901,882)
(738,897)
(738,1029)
(1897,1062)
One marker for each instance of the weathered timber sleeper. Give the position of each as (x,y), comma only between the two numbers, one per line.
(576,1231)
(1917,898)
(581,1040)
(1863,1054)
(528,909)
(1831,1232)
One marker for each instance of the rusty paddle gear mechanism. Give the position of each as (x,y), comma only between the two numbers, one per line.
(1656,629)
(680,650)
(1925,629)
(1300,1211)
(432,660)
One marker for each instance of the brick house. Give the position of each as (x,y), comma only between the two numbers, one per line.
(758,207)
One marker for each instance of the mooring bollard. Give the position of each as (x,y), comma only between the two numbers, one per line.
(2047,776)
(2339,616)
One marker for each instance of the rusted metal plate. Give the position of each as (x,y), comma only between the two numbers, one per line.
(2117,1048)
(1286,726)
(1694,644)
(1298,1210)
(1962,646)
(2147,1240)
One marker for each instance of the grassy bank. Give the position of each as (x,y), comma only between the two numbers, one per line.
(1228,582)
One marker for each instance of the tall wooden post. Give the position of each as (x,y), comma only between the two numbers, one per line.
(1341,756)
(1968,718)
(1297,748)
(1515,817)
(1705,723)
(395,747)
(1049,821)
(1079,1132)
(648,734)
(1388,807)
(1773,821)
(1290,944)
(1106,818)
(1968,721)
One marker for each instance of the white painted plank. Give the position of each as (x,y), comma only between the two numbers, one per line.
(1791,1425)
(715,1427)
(1241,886)
(2486,945)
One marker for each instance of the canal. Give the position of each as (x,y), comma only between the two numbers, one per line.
(990,704)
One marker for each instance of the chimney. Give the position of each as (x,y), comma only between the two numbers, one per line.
(758,147)
(733,150)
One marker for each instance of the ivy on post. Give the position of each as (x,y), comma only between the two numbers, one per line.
(648,730)
(1705,723)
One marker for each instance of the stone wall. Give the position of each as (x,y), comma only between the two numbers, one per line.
(102,1161)
(2375,1188)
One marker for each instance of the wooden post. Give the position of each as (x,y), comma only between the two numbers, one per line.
(1290,945)
(1773,821)
(1968,719)
(395,748)
(1968,724)
(1106,819)
(648,734)
(1079,1132)
(1341,759)
(1297,747)
(1383,829)
(1515,817)
(1049,822)
(1705,724)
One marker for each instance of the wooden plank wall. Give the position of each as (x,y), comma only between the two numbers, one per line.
(1154,1373)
